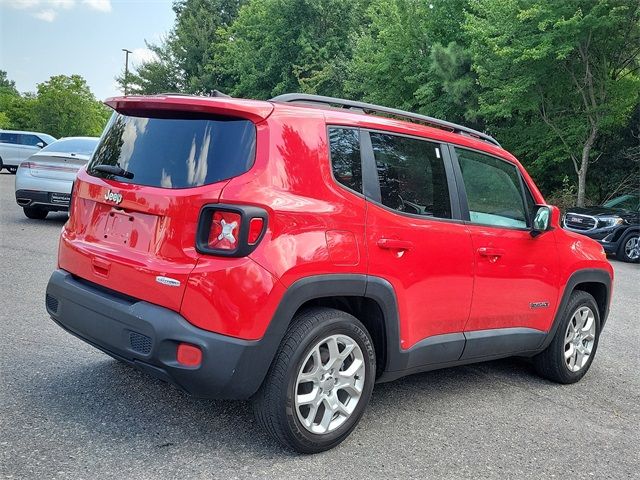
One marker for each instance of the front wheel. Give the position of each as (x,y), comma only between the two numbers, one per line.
(320,381)
(570,354)
(35,213)
(629,249)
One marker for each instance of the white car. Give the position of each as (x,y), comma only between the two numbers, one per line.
(16,146)
(44,181)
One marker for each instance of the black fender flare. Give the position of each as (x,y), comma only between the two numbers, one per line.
(590,275)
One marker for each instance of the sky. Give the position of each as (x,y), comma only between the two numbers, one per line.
(41,38)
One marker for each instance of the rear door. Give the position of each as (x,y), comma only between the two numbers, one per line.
(136,234)
(515,274)
(416,239)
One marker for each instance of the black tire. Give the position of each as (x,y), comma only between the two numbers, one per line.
(621,254)
(12,170)
(35,213)
(1,164)
(551,363)
(274,405)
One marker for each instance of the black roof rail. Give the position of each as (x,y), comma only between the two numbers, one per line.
(322,100)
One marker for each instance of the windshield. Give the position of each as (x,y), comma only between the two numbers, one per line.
(625,202)
(176,152)
(79,146)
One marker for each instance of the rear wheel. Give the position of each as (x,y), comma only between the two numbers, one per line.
(629,249)
(320,381)
(35,213)
(570,354)
(12,170)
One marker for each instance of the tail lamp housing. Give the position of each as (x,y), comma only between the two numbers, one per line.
(230,230)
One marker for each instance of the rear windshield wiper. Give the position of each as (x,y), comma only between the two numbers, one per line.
(113,170)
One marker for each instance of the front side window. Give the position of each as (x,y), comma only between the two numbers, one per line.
(412,175)
(493,190)
(344,144)
(181,152)
(30,140)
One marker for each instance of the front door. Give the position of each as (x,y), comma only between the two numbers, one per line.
(516,274)
(417,242)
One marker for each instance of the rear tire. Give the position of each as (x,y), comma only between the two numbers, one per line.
(12,170)
(629,248)
(35,213)
(570,354)
(319,383)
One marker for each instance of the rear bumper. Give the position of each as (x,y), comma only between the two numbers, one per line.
(52,201)
(147,335)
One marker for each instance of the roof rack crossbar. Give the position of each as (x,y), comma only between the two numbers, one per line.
(320,99)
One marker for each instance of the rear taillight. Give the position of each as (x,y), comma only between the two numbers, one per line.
(230,230)
(26,165)
(73,188)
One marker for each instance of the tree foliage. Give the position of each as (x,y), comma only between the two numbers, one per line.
(570,64)
(63,106)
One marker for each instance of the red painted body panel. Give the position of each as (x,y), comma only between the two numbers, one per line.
(315,226)
(433,278)
(523,271)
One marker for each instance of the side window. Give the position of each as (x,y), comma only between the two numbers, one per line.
(30,140)
(9,138)
(412,175)
(493,190)
(345,157)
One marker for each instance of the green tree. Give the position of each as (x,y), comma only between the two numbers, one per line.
(278,46)
(187,60)
(413,56)
(65,107)
(160,75)
(571,65)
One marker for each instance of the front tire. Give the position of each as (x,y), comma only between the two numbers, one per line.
(35,213)
(629,249)
(319,383)
(570,354)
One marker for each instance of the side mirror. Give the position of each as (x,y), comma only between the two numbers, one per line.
(541,221)
(40,144)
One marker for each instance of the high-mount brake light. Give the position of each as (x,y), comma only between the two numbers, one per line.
(230,230)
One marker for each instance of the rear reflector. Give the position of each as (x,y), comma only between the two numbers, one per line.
(189,355)
(256,225)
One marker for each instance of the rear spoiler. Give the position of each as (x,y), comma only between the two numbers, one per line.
(254,110)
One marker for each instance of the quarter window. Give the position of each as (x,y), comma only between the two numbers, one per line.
(494,194)
(345,157)
(412,175)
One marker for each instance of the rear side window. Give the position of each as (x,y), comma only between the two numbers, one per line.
(493,188)
(412,175)
(176,152)
(9,138)
(345,157)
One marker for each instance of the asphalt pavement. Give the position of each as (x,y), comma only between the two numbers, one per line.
(69,411)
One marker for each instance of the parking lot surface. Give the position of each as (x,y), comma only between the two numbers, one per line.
(69,411)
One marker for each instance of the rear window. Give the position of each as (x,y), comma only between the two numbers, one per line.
(81,146)
(176,152)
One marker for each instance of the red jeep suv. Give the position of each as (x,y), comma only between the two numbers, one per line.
(296,251)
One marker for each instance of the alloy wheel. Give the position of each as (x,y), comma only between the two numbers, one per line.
(579,339)
(329,384)
(632,248)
